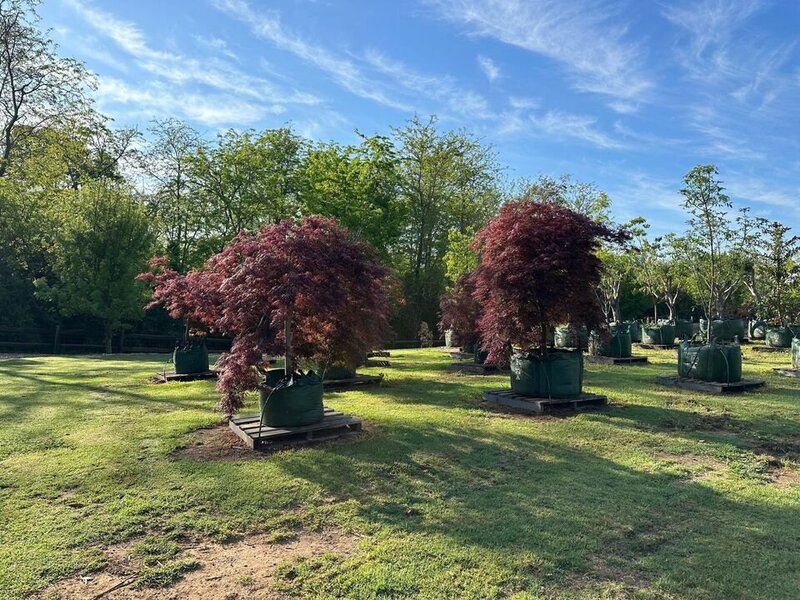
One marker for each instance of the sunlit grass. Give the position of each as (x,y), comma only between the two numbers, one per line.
(666,494)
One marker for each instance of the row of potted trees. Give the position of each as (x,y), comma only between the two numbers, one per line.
(310,291)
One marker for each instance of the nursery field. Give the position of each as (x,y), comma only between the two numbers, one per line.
(109,482)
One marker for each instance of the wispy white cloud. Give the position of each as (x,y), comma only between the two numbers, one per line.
(195,80)
(581,127)
(584,37)
(751,189)
(341,70)
(155,100)
(489,68)
(445,90)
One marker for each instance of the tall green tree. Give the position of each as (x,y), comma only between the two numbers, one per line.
(38,88)
(247,179)
(173,199)
(712,245)
(778,267)
(582,197)
(449,181)
(360,187)
(103,241)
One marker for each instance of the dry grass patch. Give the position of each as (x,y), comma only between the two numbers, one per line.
(212,571)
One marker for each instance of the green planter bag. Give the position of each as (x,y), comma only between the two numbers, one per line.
(480,355)
(339,372)
(618,345)
(635,329)
(779,337)
(450,338)
(720,363)
(558,374)
(291,402)
(757,330)
(796,353)
(683,329)
(190,357)
(659,335)
(570,336)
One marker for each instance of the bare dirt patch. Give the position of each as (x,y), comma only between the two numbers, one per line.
(695,466)
(221,444)
(238,570)
(217,444)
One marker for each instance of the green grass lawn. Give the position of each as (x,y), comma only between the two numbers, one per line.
(666,494)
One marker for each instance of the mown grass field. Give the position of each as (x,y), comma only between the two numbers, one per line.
(666,494)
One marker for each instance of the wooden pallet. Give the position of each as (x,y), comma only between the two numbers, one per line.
(769,349)
(377,363)
(357,381)
(545,405)
(474,369)
(614,360)
(656,346)
(168,377)
(712,387)
(257,437)
(379,354)
(462,355)
(788,372)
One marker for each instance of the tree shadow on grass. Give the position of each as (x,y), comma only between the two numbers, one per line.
(563,508)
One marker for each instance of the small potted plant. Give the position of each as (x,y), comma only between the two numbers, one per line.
(460,312)
(307,290)
(538,265)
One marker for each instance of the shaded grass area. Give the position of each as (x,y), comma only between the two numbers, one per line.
(666,494)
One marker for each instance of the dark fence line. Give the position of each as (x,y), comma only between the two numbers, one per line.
(55,340)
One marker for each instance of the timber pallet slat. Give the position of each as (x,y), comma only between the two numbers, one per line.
(333,424)
(786,372)
(357,381)
(656,346)
(167,377)
(712,387)
(615,360)
(462,355)
(379,354)
(769,349)
(377,363)
(474,369)
(545,405)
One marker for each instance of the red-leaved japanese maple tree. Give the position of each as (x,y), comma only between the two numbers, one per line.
(538,269)
(460,311)
(308,290)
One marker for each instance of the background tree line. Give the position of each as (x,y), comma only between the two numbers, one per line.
(84,204)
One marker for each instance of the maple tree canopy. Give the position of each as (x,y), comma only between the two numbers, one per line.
(314,270)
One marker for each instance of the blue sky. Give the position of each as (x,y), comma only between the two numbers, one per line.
(626,94)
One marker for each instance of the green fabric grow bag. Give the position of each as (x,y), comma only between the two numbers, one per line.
(660,335)
(757,330)
(683,329)
(570,336)
(618,345)
(795,329)
(721,363)
(480,355)
(292,403)
(635,329)
(190,357)
(779,337)
(558,374)
(796,353)
(728,329)
(339,372)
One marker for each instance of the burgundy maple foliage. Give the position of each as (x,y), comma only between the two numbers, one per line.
(313,273)
(460,311)
(538,269)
